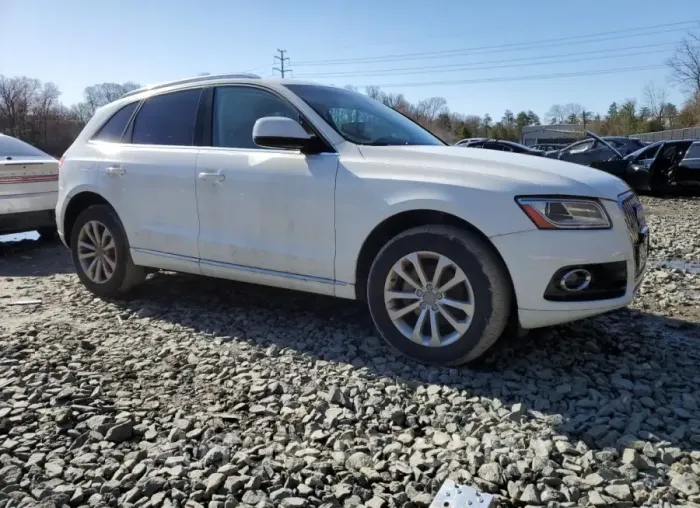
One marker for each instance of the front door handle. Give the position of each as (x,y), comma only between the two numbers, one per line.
(115,170)
(216,176)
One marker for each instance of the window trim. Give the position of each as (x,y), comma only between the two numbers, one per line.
(126,127)
(207,140)
(128,136)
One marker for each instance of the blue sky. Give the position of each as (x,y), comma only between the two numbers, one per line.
(76,43)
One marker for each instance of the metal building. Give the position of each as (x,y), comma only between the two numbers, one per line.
(556,133)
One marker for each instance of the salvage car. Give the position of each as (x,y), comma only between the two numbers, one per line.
(321,189)
(659,166)
(596,148)
(28,188)
(500,145)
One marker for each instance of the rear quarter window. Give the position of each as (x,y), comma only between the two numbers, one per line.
(113,130)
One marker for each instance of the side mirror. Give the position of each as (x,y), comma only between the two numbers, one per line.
(281,132)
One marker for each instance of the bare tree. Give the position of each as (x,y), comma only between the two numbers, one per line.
(555,114)
(432,107)
(654,99)
(374,92)
(45,105)
(573,112)
(685,63)
(101,94)
(17,96)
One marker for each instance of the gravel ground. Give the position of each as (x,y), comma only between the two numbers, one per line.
(210,393)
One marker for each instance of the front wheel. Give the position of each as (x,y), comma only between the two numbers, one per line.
(100,252)
(439,294)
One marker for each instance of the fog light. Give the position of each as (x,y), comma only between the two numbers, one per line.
(575,280)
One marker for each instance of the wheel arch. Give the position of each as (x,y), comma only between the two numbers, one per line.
(403,221)
(77,204)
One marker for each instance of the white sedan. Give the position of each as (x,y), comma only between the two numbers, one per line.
(324,190)
(28,188)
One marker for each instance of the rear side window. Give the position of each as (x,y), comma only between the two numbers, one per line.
(497,146)
(694,152)
(13,147)
(113,130)
(167,119)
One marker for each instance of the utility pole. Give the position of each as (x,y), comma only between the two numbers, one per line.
(282,60)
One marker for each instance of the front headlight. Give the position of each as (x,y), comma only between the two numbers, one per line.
(565,213)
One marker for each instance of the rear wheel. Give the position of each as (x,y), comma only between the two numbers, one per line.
(439,295)
(100,252)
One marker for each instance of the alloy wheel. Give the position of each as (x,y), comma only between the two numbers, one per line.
(429,299)
(97,252)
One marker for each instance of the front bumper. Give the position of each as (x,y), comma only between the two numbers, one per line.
(532,257)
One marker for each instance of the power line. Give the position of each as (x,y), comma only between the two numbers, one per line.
(521,78)
(505,47)
(512,62)
(282,60)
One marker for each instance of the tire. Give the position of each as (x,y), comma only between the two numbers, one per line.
(487,288)
(47,234)
(125,275)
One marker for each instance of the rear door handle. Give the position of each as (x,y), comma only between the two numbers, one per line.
(115,170)
(213,176)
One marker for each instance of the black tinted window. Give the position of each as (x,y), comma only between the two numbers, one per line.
(115,126)
(167,119)
(497,146)
(693,152)
(237,108)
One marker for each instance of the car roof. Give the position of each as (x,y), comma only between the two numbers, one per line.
(217,79)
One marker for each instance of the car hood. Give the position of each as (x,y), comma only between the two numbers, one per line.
(518,172)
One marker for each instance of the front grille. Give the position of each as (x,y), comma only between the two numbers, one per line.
(634,216)
(638,232)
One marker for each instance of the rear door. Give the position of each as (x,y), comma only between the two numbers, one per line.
(149,178)
(688,171)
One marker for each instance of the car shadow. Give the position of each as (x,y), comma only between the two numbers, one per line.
(34,258)
(607,381)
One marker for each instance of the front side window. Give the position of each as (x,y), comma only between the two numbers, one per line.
(362,120)
(581,147)
(167,119)
(647,153)
(237,108)
(113,130)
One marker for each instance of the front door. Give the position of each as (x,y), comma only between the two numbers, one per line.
(266,215)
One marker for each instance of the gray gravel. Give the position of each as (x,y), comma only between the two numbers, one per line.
(215,394)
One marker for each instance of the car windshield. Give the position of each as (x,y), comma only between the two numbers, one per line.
(13,147)
(362,120)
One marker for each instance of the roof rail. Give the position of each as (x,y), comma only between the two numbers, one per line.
(196,79)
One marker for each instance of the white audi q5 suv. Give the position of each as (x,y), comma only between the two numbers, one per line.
(320,189)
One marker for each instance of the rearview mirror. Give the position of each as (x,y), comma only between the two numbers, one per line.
(281,132)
